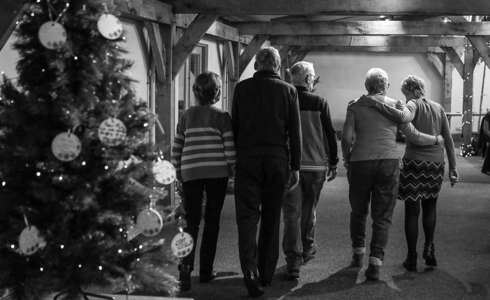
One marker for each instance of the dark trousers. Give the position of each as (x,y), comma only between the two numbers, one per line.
(299,217)
(260,185)
(412,211)
(193,194)
(372,182)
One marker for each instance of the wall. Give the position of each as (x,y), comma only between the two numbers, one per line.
(342,76)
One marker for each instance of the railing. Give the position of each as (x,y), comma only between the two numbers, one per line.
(476,120)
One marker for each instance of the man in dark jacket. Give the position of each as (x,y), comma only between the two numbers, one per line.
(267,131)
(319,153)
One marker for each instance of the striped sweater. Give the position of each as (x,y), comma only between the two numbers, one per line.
(203,145)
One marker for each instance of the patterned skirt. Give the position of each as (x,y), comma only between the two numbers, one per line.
(420,180)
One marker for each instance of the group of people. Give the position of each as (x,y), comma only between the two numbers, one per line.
(280,146)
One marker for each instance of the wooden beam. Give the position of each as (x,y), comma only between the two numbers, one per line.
(9,14)
(250,52)
(455,60)
(156,52)
(482,45)
(469,66)
(384,41)
(447,82)
(188,41)
(436,62)
(365,28)
(381,49)
(346,7)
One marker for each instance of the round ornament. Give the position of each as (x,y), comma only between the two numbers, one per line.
(110,26)
(112,132)
(149,222)
(30,241)
(182,244)
(66,146)
(164,172)
(52,35)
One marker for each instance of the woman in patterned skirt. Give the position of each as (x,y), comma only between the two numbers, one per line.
(423,170)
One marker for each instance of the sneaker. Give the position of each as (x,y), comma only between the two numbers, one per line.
(252,284)
(356,260)
(372,272)
(184,278)
(429,255)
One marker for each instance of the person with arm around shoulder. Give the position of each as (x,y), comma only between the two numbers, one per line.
(484,143)
(204,156)
(423,170)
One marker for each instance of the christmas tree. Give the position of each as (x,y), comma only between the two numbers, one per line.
(77,174)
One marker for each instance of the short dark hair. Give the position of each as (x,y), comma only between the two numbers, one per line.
(207,88)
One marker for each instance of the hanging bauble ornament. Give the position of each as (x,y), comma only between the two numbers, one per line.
(66,146)
(182,244)
(164,172)
(112,132)
(30,240)
(52,35)
(110,26)
(149,222)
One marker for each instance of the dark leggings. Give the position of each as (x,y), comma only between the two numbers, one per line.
(412,211)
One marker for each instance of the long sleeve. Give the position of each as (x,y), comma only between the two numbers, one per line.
(331,141)
(228,142)
(234,114)
(403,115)
(448,141)
(348,134)
(294,132)
(486,128)
(417,137)
(178,146)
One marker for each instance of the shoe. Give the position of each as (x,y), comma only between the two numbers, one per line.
(207,277)
(292,274)
(252,284)
(184,278)
(410,263)
(429,255)
(372,272)
(356,261)
(307,256)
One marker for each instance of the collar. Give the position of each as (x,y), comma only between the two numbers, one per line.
(266,74)
(301,88)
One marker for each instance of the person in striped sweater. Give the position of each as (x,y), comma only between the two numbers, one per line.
(204,156)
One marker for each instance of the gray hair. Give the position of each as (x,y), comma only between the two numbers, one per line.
(376,81)
(267,59)
(414,85)
(299,72)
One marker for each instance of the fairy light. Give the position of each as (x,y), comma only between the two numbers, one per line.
(79,266)
(140,246)
(75,57)
(38,174)
(60,178)
(12,246)
(121,230)
(119,251)
(62,246)
(106,167)
(41,269)
(84,163)
(100,268)
(4,183)
(445,19)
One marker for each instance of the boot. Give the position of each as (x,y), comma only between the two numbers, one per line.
(357,260)
(252,284)
(429,255)
(185,277)
(410,262)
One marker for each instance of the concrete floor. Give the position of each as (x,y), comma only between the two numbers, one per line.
(462,248)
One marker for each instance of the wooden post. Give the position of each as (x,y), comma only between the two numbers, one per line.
(447,80)
(467,122)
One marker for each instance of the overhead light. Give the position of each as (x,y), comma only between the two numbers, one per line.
(445,19)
